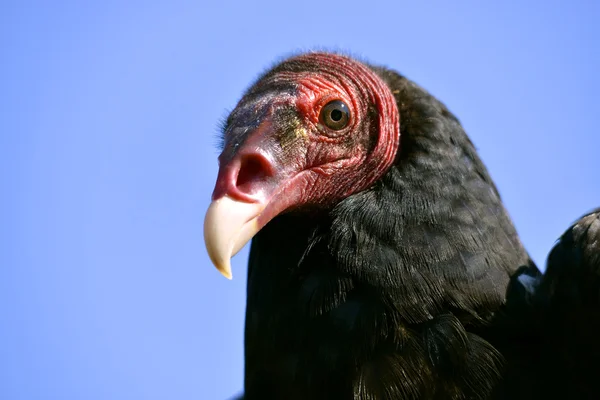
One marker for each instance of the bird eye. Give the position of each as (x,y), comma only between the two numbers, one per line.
(335,115)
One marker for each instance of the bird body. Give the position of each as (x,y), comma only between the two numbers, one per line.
(382,258)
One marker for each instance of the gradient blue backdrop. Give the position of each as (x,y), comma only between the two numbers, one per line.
(108,124)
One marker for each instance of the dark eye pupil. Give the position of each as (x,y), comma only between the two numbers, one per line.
(336,115)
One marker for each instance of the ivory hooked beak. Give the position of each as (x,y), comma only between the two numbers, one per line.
(228,225)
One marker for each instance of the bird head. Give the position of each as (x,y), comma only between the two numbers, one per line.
(313,130)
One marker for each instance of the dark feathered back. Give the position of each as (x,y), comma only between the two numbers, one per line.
(567,304)
(548,331)
(378,297)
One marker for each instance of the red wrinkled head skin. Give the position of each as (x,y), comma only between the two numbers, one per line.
(279,152)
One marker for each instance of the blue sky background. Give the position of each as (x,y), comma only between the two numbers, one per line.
(108,121)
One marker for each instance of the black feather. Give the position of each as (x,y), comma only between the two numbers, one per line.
(378,297)
(419,287)
(548,330)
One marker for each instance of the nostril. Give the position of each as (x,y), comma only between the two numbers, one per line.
(254,170)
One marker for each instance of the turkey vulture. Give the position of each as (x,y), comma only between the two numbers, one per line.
(383,264)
